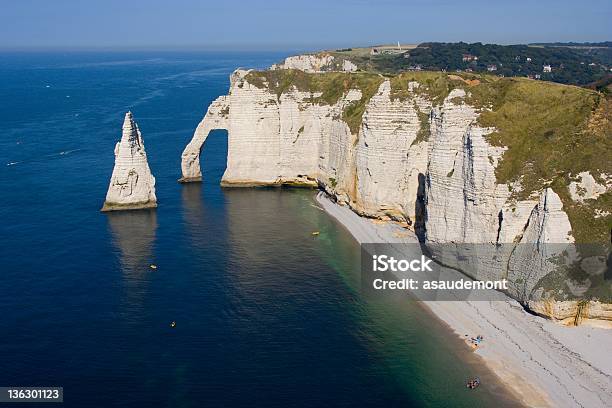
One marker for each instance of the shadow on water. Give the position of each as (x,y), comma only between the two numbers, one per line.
(191,195)
(133,235)
(203,202)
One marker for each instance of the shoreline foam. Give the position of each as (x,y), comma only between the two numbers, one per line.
(543,363)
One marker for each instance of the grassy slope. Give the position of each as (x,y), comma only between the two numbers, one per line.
(552,132)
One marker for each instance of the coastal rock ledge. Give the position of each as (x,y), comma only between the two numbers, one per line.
(132,186)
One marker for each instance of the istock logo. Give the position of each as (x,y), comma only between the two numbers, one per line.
(384,263)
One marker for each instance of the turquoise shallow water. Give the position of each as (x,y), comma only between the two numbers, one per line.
(266,314)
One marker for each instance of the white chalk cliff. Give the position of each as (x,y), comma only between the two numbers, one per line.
(321,62)
(132,186)
(443,180)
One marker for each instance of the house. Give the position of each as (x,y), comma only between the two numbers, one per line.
(491,67)
(469,58)
(374,51)
(538,76)
(415,68)
(546,68)
(528,59)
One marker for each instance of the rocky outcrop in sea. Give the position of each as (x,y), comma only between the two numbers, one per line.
(132,186)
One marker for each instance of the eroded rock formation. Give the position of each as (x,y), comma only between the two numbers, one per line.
(410,158)
(132,186)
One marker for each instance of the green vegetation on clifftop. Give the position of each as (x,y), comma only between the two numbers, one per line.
(551,132)
(331,85)
(578,64)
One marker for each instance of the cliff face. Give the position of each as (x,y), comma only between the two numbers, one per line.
(132,186)
(320,62)
(286,139)
(415,150)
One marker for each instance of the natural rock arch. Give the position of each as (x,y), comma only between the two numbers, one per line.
(217,117)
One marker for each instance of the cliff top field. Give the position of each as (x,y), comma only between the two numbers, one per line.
(552,132)
(572,63)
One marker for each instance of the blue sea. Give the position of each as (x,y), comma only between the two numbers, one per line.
(266,314)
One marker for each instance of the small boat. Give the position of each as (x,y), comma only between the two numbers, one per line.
(315,233)
(152,266)
(473,383)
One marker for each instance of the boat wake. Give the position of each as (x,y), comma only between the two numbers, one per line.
(65,152)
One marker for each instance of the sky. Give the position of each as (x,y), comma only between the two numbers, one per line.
(282,24)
